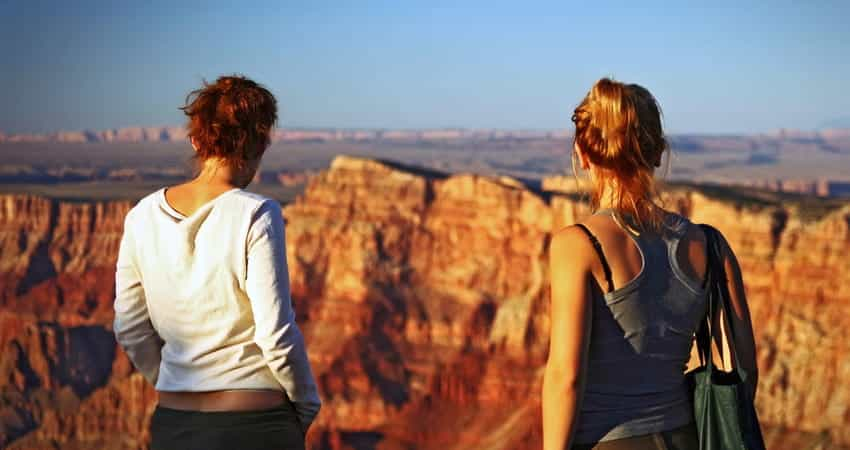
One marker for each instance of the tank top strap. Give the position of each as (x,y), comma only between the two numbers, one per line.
(654,247)
(674,226)
(601,254)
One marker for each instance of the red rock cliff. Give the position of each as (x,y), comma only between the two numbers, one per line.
(423,299)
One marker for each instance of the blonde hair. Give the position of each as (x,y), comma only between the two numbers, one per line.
(618,128)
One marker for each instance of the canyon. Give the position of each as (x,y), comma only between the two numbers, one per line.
(423,298)
(74,163)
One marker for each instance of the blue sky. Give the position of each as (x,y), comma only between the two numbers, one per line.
(733,67)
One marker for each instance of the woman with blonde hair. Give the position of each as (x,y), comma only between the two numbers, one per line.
(628,292)
(202,303)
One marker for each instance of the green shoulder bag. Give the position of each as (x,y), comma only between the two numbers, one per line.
(724,409)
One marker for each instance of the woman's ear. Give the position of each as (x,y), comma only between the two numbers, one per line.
(194,143)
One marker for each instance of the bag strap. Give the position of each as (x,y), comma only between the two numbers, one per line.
(718,296)
(598,247)
(704,331)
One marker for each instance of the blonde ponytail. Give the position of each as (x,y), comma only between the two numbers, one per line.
(618,127)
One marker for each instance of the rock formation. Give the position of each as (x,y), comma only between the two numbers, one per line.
(423,300)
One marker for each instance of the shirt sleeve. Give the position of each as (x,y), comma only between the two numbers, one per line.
(276,333)
(132,326)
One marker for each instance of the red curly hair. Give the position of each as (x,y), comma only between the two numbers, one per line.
(231,119)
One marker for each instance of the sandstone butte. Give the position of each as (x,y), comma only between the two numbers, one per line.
(423,298)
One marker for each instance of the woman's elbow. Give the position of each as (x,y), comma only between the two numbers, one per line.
(123,332)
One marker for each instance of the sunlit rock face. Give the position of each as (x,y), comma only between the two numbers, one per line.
(64,382)
(424,301)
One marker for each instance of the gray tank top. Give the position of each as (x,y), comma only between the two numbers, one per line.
(640,344)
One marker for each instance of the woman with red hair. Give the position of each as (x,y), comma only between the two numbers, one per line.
(202,303)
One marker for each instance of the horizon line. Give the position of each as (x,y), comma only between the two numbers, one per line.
(776,132)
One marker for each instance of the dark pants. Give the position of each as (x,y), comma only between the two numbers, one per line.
(273,429)
(683,438)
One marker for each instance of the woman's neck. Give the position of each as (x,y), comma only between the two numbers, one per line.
(218,174)
(606,196)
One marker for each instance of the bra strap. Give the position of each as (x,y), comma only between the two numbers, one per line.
(598,247)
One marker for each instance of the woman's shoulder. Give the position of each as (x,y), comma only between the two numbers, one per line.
(254,199)
(683,225)
(573,243)
(257,206)
(676,222)
(144,204)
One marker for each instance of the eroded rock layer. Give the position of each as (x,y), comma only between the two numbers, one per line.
(423,299)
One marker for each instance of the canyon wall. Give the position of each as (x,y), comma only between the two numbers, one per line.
(423,300)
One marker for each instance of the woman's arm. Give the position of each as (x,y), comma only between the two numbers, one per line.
(276,333)
(744,342)
(570,312)
(132,326)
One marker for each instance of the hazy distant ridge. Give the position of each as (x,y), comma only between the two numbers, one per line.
(173,134)
(837,138)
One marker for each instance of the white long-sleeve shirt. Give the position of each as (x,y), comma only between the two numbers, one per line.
(203,303)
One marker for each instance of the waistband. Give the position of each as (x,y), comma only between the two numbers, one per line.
(166,417)
(681,438)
